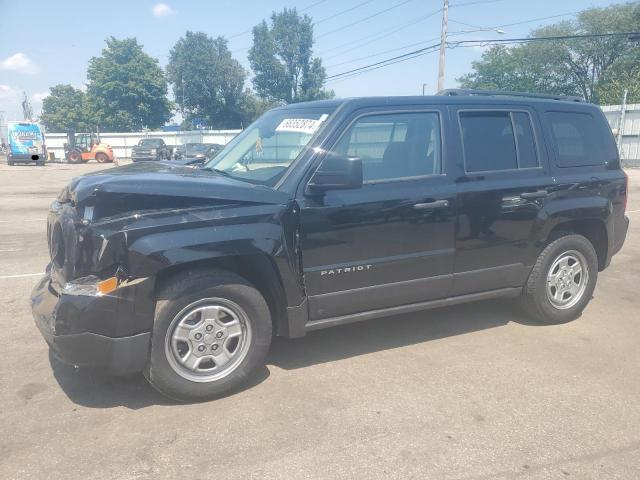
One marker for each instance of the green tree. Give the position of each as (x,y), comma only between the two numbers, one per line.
(282,59)
(207,81)
(253,106)
(127,89)
(623,75)
(569,67)
(65,109)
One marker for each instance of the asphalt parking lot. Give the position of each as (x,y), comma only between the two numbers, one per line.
(474,392)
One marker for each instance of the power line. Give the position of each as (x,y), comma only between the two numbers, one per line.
(236,35)
(477,2)
(342,12)
(313,5)
(316,22)
(363,41)
(423,51)
(384,61)
(497,41)
(532,20)
(383,52)
(362,72)
(380,12)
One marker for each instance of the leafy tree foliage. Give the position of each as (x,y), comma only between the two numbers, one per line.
(594,68)
(65,109)
(127,89)
(208,83)
(282,59)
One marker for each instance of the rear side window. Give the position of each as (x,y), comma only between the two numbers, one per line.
(497,140)
(577,140)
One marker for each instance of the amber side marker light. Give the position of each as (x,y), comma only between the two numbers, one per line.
(108,285)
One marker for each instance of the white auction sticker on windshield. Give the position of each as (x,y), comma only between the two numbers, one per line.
(299,125)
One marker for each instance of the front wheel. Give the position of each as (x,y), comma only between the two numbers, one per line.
(562,281)
(102,158)
(212,330)
(74,156)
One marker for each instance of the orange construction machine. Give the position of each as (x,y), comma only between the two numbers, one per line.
(82,147)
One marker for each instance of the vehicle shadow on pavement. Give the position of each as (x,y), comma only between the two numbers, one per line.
(370,336)
(97,389)
(94,388)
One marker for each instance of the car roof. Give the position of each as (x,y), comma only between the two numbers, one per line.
(400,101)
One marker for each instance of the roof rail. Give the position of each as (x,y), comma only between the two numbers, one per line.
(452,92)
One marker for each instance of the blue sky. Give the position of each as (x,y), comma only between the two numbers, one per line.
(46,42)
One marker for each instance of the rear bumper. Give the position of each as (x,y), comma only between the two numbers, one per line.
(118,355)
(621,235)
(144,158)
(27,157)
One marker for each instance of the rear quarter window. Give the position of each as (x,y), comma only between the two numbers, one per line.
(577,139)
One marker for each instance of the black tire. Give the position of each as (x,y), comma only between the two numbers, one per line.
(536,302)
(74,157)
(102,158)
(10,162)
(188,291)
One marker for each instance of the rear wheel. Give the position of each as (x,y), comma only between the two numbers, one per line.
(10,162)
(562,282)
(211,331)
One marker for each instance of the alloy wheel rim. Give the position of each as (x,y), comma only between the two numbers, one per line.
(208,340)
(567,280)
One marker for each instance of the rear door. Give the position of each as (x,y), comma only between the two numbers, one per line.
(501,191)
(390,242)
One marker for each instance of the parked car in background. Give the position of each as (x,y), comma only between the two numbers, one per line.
(326,213)
(151,149)
(196,153)
(26,143)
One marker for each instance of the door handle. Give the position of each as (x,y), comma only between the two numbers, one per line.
(533,195)
(432,205)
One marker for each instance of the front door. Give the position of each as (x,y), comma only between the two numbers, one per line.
(501,193)
(390,242)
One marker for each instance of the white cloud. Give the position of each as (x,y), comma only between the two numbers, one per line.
(162,10)
(19,62)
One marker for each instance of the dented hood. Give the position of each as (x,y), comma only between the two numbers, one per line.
(166,180)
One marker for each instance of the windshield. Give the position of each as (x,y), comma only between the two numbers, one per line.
(265,150)
(150,142)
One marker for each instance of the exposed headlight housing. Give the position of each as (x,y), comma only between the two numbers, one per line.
(91,286)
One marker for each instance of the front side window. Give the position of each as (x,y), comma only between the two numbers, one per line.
(578,142)
(394,146)
(266,149)
(497,140)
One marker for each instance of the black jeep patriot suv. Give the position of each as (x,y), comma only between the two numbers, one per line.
(325,213)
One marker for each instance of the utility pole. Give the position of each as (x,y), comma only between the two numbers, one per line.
(623,112)
(443,44)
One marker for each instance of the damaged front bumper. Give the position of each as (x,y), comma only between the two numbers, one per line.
(90,330)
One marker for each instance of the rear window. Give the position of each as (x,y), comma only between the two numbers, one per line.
(150,142)
(577,140)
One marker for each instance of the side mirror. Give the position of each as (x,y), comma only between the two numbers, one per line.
(337,172)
